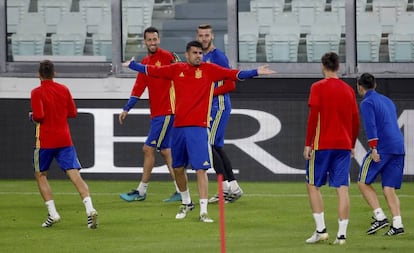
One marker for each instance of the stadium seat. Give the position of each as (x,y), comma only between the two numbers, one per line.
(265,11)
(325,36)
(15,11)
(102,39)
(361,6)
(94,12)
(283,40)
(401,40)
(70,35)
(248,37)
(30,36)
(368,37)
(338,7)
(388,12)
(176,44)
(137,15)
(164,3)
(52,11)
(406,18)
(306,12)
(226,44)
(210,10)
(185,28)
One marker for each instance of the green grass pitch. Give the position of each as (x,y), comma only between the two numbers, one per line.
(270,217)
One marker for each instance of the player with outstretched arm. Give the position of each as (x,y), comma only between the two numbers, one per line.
(194,86)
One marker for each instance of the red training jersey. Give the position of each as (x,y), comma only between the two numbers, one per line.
(193,87)
(52,104)
(333,121)
(161,95)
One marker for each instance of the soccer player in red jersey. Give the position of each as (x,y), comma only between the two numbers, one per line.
(194,86)
(332,130)
(52,104)
(162,115)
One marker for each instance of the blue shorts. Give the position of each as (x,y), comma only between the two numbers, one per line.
(159,135)
(218,125)
(65,157)
(190,146)
(391,168)
(329,164)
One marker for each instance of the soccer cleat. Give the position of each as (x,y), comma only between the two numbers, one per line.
(204,218)
(318,237)
(184,209)
(176,196)
(377,225)
(216,198)
(93,220)
(50,221)
(234,196)
(395,231)
(133,196)
(341,240)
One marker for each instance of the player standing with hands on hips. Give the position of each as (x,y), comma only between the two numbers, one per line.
(194,86)
(332,130)
(385,156)
(52,105)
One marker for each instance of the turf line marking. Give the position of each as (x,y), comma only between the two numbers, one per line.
(269,195)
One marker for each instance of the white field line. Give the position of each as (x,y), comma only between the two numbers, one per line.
(267,195)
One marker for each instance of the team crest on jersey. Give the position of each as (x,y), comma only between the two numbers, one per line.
(181,74)
(198,74)
(158,63)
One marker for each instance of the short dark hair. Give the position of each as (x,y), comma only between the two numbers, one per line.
(193,43)
(330,61)
(151,29)
(46,69)
(367,81)
(205,26)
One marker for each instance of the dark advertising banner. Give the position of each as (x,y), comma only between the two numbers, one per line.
(264,139)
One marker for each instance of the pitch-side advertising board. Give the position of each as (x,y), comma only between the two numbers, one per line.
(264,139)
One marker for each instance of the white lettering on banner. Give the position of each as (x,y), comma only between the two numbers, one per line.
(104,142)
(270,126)
(406,121)
(360,152)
